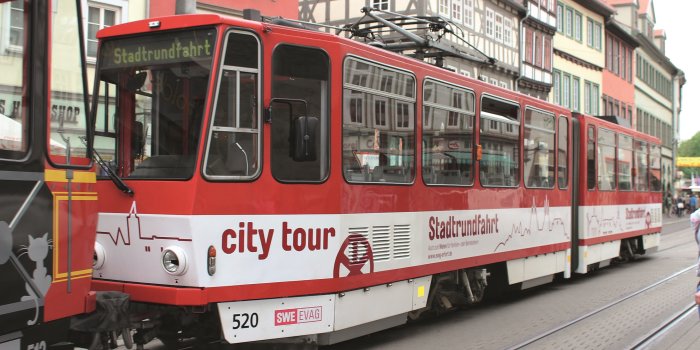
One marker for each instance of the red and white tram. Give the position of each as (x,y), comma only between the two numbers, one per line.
(290,183)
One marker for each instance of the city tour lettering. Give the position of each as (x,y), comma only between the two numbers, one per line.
(249,239)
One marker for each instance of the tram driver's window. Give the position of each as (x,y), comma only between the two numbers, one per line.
(500,143)
(299,114)
(233,149)
(538,149)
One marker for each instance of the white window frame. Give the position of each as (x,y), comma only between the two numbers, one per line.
(490,19)
(121,7)
(498,31)
(575,93)
(457,11)
(6,20)
(444,8)
(380,4)
(398,107)
(469,13)
(465,73)
(508,32)
(578,26)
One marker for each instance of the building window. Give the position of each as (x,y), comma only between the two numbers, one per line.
(591,97)
(598,33)
(587,97)
(578,26)
(499,28)
(568,25)
(444,7)
(469,13)
(12,26)
(457,11)
(380,4)
(508,32)
(547,51)
(560,18)
(589,30)
(489,22)
(533,59)
(575,94)
(565,90)
(99,17)
(529,33)
(557,87)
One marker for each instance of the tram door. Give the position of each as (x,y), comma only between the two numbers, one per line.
(43,161)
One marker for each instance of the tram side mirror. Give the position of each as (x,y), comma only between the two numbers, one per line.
(290,121)
(302,143)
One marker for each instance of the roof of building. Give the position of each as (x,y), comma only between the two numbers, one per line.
(619,2)
(644,6)
(598,6)
(659,32)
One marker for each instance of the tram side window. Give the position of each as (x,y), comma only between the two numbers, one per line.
(299,113)
(563,156)
(641,166)
(378,124)
(233,149)
(624,163)
(590,158)
(448,134)
(655,168)
(606,160)
(538,149)
(14,118)
(500,139)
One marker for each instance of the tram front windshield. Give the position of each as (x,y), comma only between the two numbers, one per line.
(150,102)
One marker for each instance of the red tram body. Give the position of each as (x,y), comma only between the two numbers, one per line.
(291,183)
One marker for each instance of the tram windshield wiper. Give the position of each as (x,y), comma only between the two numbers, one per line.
(121,185)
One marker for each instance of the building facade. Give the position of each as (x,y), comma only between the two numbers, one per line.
(537,31)
(490,28)
(579,56)
(618,76)
(657,82)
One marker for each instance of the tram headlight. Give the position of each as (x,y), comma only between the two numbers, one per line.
(174,260)
(98,257)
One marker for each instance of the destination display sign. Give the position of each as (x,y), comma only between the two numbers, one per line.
(156,49)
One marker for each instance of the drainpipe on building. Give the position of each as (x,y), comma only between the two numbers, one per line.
(521,66)
(185,7)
